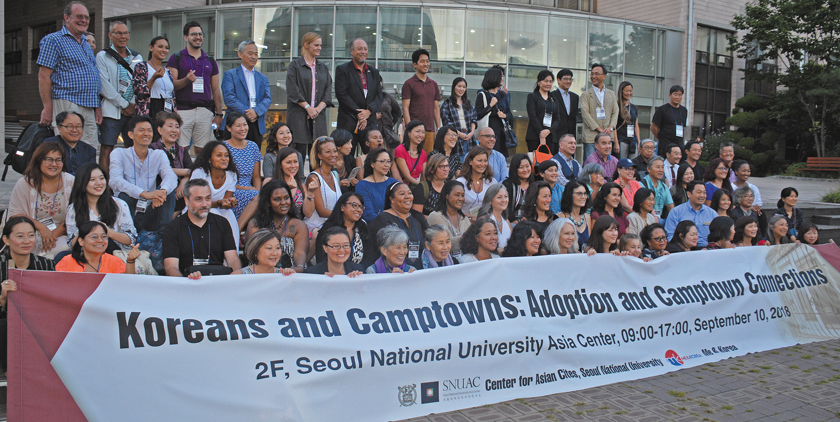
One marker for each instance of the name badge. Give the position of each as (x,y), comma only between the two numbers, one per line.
(141,206)
(198,85)
(679,131)
(547,120)
(168,105)
(631,131)
(413,250)
(201,261)
(600,114)
(456,255)
(253,103)
(49,223)
(123,86)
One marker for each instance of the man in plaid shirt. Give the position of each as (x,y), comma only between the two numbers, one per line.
(68,79)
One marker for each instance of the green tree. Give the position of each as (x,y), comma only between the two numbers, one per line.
(804,37)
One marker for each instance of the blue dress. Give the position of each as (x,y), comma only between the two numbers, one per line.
(245,159)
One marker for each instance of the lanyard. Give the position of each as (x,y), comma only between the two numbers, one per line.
(197,62)
(410,217)
(550,101)
(677,123)
(148,176)
(192,242)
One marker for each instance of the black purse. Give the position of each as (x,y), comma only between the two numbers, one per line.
(209,269)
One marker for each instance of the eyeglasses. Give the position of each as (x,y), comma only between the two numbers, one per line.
(355,205)
(660,239)
(579,194)
(596,74)
(196,34)
(567,78)
(81,17)
(73,128)
(488,136)
(97,238)
(325,138)
(50,160)
(122,34)
(383,162)
(339,247)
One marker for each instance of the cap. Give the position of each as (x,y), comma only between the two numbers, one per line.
(625,162)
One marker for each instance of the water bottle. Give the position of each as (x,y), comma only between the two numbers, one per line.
(214,126)
(216,134)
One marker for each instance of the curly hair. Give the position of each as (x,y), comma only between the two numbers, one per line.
(518,237)
(469,240)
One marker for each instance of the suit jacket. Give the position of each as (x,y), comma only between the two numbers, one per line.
(536,111)
(351,95)
(568,121)
(299,89)
(235,93)
(588,103)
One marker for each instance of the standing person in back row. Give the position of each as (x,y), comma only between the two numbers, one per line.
(198,93)
(248,92)
(116,71)
(599,108)
(668,124)
(308,94)
(568,101)
(421,98)
(67,76)
(358,89)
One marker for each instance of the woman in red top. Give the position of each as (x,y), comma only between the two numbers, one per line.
(88,255)
(409,156)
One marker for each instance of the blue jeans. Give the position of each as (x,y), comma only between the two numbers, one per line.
(588,149)
(153,219)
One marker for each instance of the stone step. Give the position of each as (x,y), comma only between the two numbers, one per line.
(826,220)
(829,232)
(812,209)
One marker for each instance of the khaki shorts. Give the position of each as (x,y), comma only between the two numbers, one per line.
(196,127)
(429,143)
(90,134)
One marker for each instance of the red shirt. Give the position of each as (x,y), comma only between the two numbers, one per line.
(422,96)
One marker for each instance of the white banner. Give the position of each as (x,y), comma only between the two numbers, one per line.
(390,347)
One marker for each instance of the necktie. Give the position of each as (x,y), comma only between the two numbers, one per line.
(673,176)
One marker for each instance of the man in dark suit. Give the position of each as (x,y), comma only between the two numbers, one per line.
(568,101)
(248,92)
(358,88)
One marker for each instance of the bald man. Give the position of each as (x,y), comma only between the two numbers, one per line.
(487,140)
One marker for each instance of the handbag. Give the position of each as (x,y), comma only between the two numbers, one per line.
(484,121)
(209,269)
(538,156)
(510,136)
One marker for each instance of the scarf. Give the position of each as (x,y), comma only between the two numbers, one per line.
(429,260)
(382,267)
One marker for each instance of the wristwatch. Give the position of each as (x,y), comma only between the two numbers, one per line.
(219,114)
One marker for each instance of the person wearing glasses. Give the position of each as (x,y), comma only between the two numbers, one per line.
(68,79)
(70,127)
(168,128)
(373,187)
(247,91)
(655,240)
(198,94)
(568,103)
(88,254)
(338,249)
(43,194)
(116,70)
(599,107)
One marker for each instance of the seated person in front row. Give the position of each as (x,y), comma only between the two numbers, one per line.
(134,172)
(88,254)
(70,128)
(198,238)
(393,245)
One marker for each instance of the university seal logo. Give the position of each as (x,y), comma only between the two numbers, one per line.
(407,394)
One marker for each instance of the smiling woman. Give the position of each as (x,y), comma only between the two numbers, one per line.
(89,256)
(398,211)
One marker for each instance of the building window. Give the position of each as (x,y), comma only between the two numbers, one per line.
(713,81)
(14,52)
(762,88)
(38,33)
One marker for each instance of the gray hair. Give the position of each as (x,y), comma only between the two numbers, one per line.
(725,145)
(391,235)
(646,141)
(256,241)
(551,236)
(433,231)
(68,10)
(115,23)
(487,204)
(353,43)
(244,44)
(588,170)
(194,182)
(601,135)
(772,223)
(740,193)
(654,159)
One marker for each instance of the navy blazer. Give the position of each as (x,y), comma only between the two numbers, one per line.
(351,96)
(568,122)
(235,92)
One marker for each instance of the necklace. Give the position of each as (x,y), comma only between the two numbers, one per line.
(576,223)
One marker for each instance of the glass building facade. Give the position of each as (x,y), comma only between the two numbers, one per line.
(463,40)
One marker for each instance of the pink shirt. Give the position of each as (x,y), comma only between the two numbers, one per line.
(415,166)
(312,68)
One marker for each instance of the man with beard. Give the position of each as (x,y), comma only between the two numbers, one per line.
(198,237)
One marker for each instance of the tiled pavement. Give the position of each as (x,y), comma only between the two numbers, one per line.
(798,383)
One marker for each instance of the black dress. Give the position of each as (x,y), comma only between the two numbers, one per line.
(416,229)
(495,122)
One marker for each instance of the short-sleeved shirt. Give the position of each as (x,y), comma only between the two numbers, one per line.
(415,166)
(666,118)
(205,67)
(423,96)
(75,77)
(184,240)
(663,194)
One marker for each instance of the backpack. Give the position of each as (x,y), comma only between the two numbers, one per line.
(21,151)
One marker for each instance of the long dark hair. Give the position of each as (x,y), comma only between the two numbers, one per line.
(640,196)
(464,99)
(445,191)
(567,201)
(710,175)
(681,173)
(600,202)
(336,217)
(596,238)
(107,207)
(469,244)
(33,174)
(741,225)
(154,41)
(680,232)
(278,166)
(439,140)
(720,228)
(785,193)
(715,204)
(529,209)
(265,213)
(542,75)
(271,141)
(407,136)
(77,252)
(520,234)
(203,159)
(492,79)
(513,171)
(372,156)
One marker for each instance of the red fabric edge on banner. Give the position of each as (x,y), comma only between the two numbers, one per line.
(831,253)
(41,314)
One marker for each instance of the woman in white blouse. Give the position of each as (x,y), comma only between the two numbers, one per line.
(477,176)
(495,206)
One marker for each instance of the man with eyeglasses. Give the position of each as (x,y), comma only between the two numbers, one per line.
(570,100)
(70,127)
(487,140)
(68,79)
(247,91)
(599,108)
(694,209)
(198,92)
(116,70)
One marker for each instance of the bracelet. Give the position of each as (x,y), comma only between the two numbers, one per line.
(130,262)
(307,106)
(310,198)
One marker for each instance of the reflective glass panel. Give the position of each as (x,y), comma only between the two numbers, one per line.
(400,32)
(528,39)
(352,23)
(606,45)
(171,28)
(318,20)
(486,39)
(567,43)
(236,26)
(443,33)
(273,31)
(141,34)
(639,57)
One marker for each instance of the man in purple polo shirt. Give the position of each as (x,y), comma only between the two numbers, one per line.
(421,98)
(602,157)
(198,93)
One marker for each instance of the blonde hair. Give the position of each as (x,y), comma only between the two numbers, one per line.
(316,148)
(308,38)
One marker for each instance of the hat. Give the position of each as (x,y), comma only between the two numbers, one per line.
(625,162)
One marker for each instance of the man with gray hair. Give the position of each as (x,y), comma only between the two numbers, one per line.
(247,91)
(116,70)
(358,89)
(655,181)
(67,77)
(646,150)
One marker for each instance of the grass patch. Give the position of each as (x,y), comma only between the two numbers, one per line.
(806,357)
(621,412)
(754,370)
(579,404)
(765,367)
(726,407)
(676,393)
(793,367)
(832,197)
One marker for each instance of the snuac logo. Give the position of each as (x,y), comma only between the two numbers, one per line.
(678,360)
